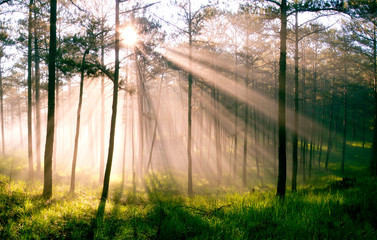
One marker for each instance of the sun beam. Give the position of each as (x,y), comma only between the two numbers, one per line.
(129,35)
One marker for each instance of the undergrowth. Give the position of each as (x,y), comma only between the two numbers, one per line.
(327,210)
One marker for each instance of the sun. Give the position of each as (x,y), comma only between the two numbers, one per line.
(128,35)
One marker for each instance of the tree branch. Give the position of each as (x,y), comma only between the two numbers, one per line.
(139,8)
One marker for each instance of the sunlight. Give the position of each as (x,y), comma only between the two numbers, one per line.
(129,35)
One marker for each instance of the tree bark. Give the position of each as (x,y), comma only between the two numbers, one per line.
(189,103)
(47,187)
(37,98)
(329,144)
(29,94)
(78,118)
(295,123)
(282,175)
(244,162)
(2,115)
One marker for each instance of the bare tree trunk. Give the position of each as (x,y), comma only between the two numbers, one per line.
(344,120)
(47,188)
(78,118)
(29,95)
(329,144)
(37,100)
(244,163)
(125,140)
(2,115)
(373,160)
(56,120)
(189,103)
(281,112)
(295,123)
(102,152)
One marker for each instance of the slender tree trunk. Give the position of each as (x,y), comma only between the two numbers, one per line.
(322,133)
(218,140)
(47,188)
(373,161)
(2,117)
(282,175)
(133,147)
(29,95)
(189,102)
(155,125)
(295,123)
(235,113)
(78,118)
(56,120)
(37,98)
(344,119)
(344,128)
(140,98)
(102,151)
(256,139)
(329,144)
(125,140)
(106,182)
(244,165)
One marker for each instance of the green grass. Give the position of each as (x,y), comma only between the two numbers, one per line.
(315,212)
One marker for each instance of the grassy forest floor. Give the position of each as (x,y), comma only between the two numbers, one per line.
(326,207)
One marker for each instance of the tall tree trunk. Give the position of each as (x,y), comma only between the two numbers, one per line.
(140,98)
(218,139)
(256,139)
(102,151)
(189,103)
(125,140)
(105,191)
(2,117)
(47,187)
(56,119)
(373,160)
(37,100)
(282,175)
(295,123)
(235,112)
(244,163)
(329,144)
(29,94)
(78,118)
(344,119)
(133,147)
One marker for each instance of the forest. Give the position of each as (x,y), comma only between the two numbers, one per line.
(188,119)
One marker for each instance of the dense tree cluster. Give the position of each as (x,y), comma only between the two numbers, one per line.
(237,94)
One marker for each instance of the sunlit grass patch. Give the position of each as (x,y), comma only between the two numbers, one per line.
(359,144)
(315,211)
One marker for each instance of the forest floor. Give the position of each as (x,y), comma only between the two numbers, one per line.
(326,207)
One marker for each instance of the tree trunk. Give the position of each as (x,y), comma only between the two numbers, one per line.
(56,119)
(373,160)
(189,103)
(47,188)
(235,113)
(295,123)
(29,95)
(102,151)
(282,175)
(244,165)
(2,117)
(125,140)
(37,100)
(78,118)
(344,120)
(106,182)
(329,144)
